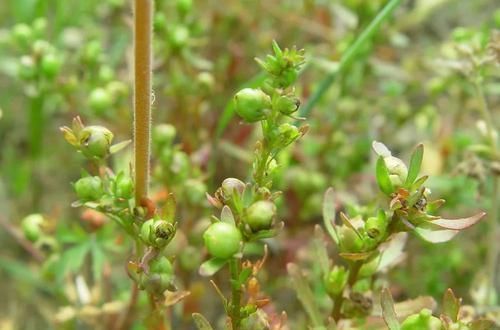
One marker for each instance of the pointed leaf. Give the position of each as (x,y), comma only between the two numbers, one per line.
(119,146)
(380,149)
(348,223)
(329,214)
(383,179)
(226,215)
(388,312)
(169,208)
(211,266)
(420,181)
(415,163)
(459,224)
(451,305)
(201,322)
(436,235)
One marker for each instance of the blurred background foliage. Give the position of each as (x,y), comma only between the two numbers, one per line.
(415,82)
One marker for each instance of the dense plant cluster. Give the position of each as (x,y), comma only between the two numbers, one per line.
(250,191)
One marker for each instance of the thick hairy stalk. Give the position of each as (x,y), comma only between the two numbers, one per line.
(143,16)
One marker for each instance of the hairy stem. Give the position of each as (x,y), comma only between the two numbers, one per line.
(143,22)
(235,306)
(350,55)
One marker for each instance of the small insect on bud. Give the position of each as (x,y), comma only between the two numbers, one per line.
(252,104)
(157,233)
(397,170)
(336,280)
(222,240)
(260,215)
(89,188)
(287,104)
(230,187)
(159,278)
(32,227)
(95,142)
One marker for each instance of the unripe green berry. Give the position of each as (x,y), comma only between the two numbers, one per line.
(163,134)
(422,320)
(124,187)
(95,142)
(31,226)
(260,215)
(230,187)
(336,280)
(100,100)
(157,233)
(287,104)
(50,65)
(89,188)
(397,170)
(222,240)
(252,104)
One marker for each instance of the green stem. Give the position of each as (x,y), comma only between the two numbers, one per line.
(349,55)
(235,305)
(354,268)
(143,23)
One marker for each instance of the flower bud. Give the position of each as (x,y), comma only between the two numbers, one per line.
(252,104)
(222,240)
(287,104)
(123,187)
(50,65)
(163,134)
(230,187)
(95,142)
(89,188)
(350,242)
(100,100)
(397,170)
(260,215)
(336,280)
(159,278)
(422,320)
(157,233)
(32,227)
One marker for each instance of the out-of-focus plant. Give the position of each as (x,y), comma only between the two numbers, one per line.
(248,211)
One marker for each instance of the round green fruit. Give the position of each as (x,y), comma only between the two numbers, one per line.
(252,104)
(222,240)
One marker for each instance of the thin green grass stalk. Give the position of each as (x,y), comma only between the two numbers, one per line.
(143,30)
(349,56)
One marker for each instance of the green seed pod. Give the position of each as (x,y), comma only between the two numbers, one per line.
(89,188)
(163,134)
(159,278)
(222,240)
(287,104)
(123,186)
(397,170)
(422,320)
(350,242)
(50,65)
(336,280)
(157,233)
(252,104)
(22,34)
(100,100)
(32,227)
(375,227)
(260,215)
(95,142)
(288,134)
(26,68)
(230,187)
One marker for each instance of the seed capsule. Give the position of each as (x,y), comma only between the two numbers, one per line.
(89,188)
(157,233)
(260,215)
(251,104)
(222,240)
(95,142)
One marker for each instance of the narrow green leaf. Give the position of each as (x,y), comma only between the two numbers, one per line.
(388,312)
(382,175)
(415,163)
(119,146)
(201,322)
(211,266)
(329,214)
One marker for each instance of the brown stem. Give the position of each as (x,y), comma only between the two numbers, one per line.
(143,20)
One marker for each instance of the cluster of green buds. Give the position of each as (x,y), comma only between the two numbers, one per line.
(40,60)
(451,317)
